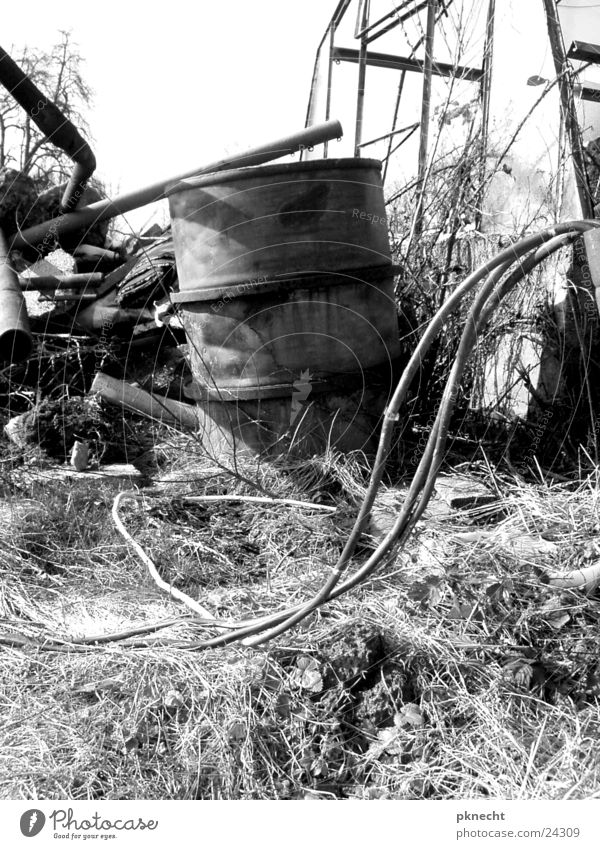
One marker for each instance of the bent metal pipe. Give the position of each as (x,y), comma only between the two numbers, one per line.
(102,210)
(54,124)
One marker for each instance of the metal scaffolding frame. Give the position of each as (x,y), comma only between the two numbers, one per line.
(367,32)
(566,78)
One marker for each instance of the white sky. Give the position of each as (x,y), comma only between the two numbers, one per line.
(179,84)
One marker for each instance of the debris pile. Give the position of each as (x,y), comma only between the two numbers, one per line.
(96,311)
(109,303)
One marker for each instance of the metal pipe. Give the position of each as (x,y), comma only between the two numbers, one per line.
(15,336)
(360,32)
(165,410)
(425,113)
(397,22)
(389,135)
(398,146)
(54,124)
(48,282)
(102,316)
(329,83)
(569,111)
(414,48)
(81,297)
(362,75)
(486,83)
(42,234)
(337,16)
(406,63)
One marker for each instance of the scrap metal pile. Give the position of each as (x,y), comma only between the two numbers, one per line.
(82,317)
(111,320)
(93,316)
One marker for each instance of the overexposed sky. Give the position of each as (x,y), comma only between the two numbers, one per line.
(179,84)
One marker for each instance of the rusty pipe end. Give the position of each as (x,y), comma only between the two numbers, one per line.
(82,171)
(15,345)
(15,336)
(54,125)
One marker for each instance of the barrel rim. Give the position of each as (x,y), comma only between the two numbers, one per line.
(251,172)
(321,383)
(284,282)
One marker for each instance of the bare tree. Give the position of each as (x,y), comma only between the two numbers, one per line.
(58,74)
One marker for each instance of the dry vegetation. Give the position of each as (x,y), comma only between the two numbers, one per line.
(456,673)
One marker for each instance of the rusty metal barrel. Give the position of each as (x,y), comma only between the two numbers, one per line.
(286,295)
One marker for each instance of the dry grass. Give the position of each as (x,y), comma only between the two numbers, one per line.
(456,674)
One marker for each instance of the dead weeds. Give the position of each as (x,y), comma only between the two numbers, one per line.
(457,673)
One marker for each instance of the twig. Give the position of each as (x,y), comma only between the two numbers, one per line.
(254,499)
(173,591)
(65,644)
(586,578)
